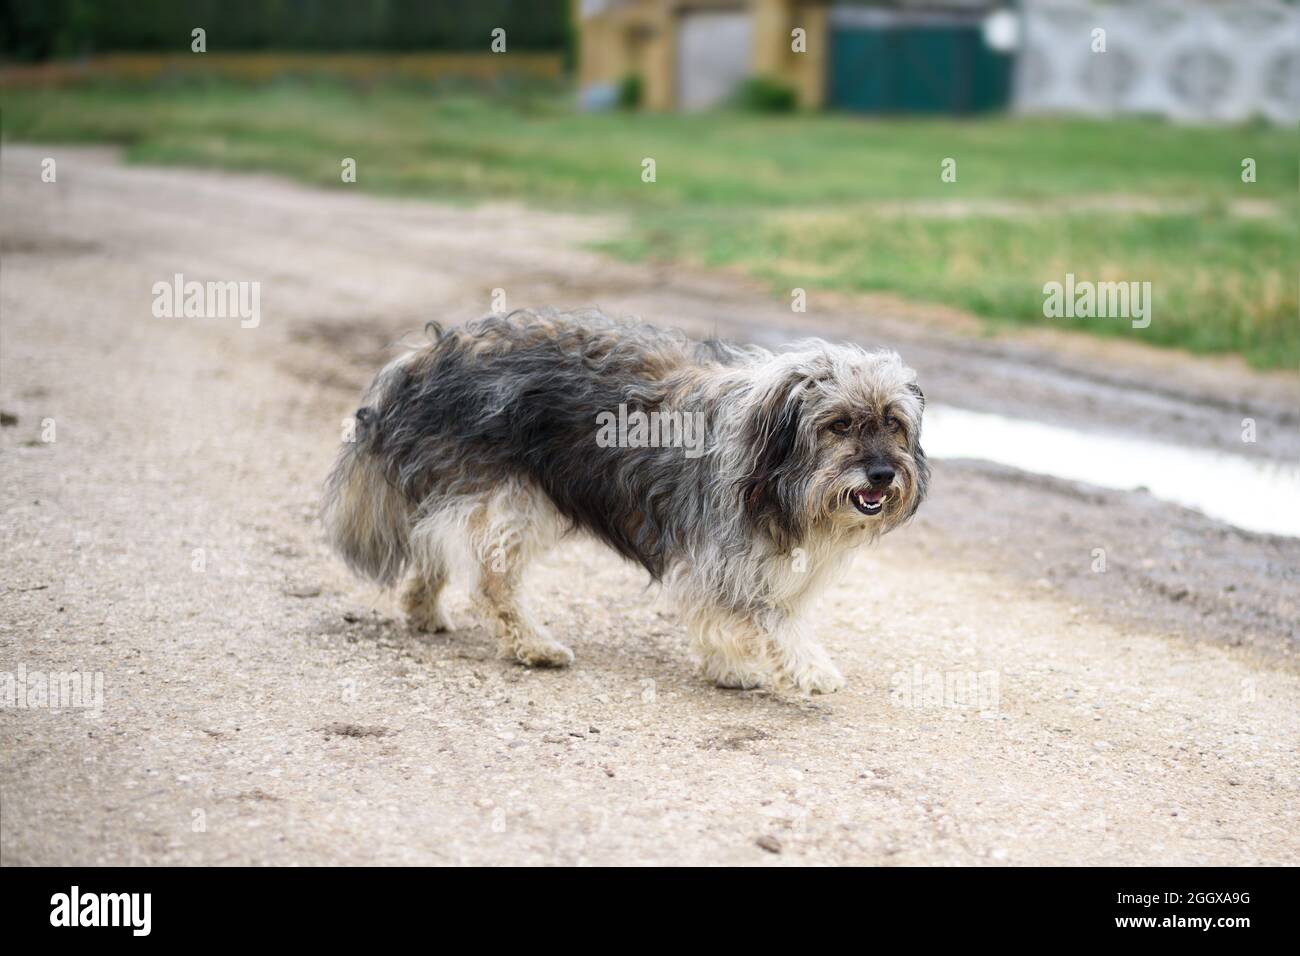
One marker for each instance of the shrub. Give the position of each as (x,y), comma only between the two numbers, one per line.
(764,94)
(630,90)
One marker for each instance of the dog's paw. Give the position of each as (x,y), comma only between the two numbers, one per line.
(817,678)
(731,674)
(425,623)
(542,653)
(738,680)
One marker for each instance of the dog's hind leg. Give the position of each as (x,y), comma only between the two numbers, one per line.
(429,539)
(514,526)
(421,600)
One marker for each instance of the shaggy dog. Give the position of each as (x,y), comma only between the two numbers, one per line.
(739,478)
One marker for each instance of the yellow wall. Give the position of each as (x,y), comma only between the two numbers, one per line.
(630,39)
(773,57)
(809,70)
(640,38)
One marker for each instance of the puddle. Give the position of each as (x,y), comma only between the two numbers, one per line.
(1250,494)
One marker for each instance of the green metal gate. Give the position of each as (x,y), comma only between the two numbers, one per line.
(893,65)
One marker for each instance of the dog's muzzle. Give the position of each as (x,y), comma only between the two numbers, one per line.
(869,501)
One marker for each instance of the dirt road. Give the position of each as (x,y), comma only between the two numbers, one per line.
(1005,704)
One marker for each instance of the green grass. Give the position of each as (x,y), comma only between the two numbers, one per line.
(817,201)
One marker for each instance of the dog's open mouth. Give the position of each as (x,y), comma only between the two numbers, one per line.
(869,501)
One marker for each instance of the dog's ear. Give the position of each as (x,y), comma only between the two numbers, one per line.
(772,437)
(922,464)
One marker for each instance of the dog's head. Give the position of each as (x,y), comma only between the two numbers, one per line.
(833,435)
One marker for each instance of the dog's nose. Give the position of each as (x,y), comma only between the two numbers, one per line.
(880,474)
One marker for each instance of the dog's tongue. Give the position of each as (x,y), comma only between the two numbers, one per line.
(872,495)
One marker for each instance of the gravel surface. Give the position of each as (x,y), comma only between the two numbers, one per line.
(1005,704)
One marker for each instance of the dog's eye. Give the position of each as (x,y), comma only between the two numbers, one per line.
(840,426)
(891,423)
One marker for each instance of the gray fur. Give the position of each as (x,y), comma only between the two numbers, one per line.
(512,403)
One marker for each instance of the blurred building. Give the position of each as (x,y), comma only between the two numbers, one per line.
(693,54)
(941,56)
(1191,60)
(1196,60)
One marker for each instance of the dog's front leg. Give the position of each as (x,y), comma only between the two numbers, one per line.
(729,650)
(767,649)
(799,661)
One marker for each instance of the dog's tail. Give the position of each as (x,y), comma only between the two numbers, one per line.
(367,518)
